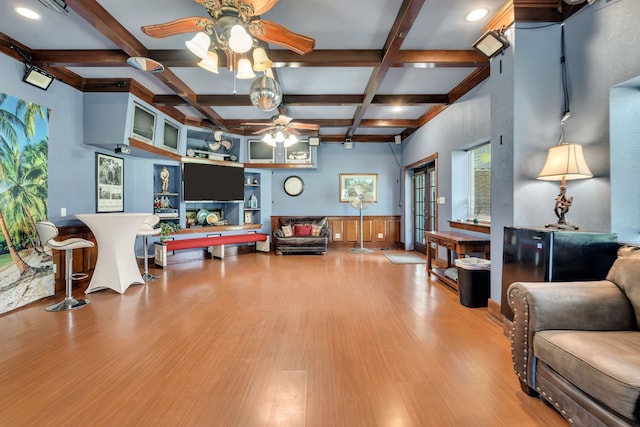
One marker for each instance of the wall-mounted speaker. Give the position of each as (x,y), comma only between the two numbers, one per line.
(398,139)
(314,140)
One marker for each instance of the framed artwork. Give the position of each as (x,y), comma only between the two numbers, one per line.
(300,152)
(109,183)
(352,183)
(170,137)
(143,124)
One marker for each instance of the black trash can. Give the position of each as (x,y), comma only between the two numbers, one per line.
(474,281)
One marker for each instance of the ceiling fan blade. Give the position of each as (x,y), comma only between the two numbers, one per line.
(282,119)
(271,32)
(261,6)
(304,126)
(263,130)
(254,124)
(191,24)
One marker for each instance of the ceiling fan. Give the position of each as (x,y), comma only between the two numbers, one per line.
(225,14)
(282,129)
(283,123)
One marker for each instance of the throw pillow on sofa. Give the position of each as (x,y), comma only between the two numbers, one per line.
(287,231)
(316,230)
(300,230)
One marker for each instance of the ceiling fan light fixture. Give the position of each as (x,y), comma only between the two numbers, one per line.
(290,140)
(265,93)
(269,139)
(239,40)
(210,63)
(261,61)
(199,44)
(244,69)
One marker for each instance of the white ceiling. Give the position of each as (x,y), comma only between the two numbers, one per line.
(338,25)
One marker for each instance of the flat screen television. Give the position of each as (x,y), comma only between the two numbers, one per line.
(205,182)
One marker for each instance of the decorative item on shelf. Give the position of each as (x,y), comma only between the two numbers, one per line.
(248,218)
(167,228)
(255,181)
(164,178)
(253,201)
(201,216)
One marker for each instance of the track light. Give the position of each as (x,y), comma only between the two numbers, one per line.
(491,43)
(38,77)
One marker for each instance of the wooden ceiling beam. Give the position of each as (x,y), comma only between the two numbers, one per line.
(409,10)
(302,100)
(107,25)
(281,58)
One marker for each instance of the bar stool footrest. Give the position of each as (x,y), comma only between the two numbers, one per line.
(79,276)
(68,304)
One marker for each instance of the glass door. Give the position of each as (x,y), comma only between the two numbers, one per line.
(424,204)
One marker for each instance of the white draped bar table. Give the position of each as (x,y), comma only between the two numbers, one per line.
(116,267)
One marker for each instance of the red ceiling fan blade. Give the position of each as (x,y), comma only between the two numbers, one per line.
(304,126)
(191,24)
(271,32)
(261,6)
(263,130)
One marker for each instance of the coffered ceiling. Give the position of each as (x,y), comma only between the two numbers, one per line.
(369,57)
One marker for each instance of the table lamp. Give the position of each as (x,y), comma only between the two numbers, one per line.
(565,161)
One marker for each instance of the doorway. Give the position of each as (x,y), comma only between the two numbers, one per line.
(424,204)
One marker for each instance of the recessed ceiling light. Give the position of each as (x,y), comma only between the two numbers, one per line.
(476,15)
(397,109)
(27,13)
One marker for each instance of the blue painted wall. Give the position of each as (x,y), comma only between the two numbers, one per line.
(320,196)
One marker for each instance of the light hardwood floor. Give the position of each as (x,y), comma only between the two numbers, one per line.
(263,340)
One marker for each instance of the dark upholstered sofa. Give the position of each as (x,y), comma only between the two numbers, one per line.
(577,344)
(301,235)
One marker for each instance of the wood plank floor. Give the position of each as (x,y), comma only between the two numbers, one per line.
(263,340)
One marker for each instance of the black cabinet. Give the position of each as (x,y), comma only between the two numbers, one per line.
(548,255)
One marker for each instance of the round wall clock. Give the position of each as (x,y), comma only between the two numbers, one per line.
(293,185)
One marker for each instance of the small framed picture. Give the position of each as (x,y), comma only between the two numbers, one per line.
(248,217)
(355,184)
(109,183)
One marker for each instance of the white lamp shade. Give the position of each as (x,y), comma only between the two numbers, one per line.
(290,140)
(279,136)
(244,69)
(565,161)
(210,62)
(269,139)
(199,44)
(240,41)
(261,61)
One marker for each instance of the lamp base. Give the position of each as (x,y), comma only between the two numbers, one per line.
(562,226)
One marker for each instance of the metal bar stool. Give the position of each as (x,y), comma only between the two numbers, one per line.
(47,232)
(146,229)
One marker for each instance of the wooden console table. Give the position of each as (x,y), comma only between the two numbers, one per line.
(458,243)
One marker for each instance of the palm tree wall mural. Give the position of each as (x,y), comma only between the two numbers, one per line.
(26,267)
